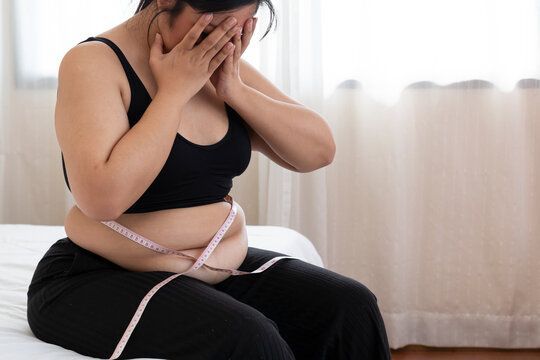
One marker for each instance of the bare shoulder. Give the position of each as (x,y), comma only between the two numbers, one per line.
(90,62)
(86,56)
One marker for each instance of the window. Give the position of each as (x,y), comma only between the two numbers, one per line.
(45,30)
(388,44)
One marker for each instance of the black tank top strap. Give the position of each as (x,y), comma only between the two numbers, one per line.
(139,95)
(130,73)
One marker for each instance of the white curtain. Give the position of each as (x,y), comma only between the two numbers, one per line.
(433,199)
(35,35)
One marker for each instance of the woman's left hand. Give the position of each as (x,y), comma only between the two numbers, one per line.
(226,79)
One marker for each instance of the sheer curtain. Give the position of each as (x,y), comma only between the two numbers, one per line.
(34,39)
(433,198)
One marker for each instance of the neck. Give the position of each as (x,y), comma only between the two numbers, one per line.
(143,27)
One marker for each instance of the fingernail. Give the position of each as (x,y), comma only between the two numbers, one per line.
(208,16)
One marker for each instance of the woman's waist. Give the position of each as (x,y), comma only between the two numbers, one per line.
(185,228)
(188,230)
(179,229)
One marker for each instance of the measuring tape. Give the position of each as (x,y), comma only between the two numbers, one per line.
(199,262)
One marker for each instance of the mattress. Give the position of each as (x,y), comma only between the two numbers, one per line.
(23,245)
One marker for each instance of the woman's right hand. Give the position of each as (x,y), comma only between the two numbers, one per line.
(187,67)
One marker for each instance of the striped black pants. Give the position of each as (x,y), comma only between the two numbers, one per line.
(293,310)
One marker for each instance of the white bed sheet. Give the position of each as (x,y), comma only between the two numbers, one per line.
(23,245)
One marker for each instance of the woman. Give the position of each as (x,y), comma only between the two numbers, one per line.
(154,118)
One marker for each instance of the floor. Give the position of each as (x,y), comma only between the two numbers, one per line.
(417,352)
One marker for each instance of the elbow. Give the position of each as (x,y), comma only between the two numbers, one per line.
(326,153)
(97,195)
(103,212)
(325,158)
(106,209)
(316,165)
(98,206)
(330,153)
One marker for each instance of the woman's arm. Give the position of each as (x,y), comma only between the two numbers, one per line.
(295,133)
(109,165)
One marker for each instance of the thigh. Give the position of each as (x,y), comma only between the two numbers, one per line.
(86,303)
(312,306)
(291,279)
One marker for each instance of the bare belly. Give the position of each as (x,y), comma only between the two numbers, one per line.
(185,229)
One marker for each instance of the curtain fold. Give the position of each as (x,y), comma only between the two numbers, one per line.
(434,204)
(3,68)
(292,59)
(432,198)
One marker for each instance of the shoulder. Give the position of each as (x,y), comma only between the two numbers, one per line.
(255,79)
(92,67)
(92,54)
(90,61)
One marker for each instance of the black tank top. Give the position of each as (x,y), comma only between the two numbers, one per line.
(193,174)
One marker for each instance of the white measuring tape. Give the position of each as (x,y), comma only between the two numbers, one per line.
(198,263)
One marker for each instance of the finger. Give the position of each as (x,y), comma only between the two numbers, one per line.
(212,51)
(229,62)
(237,48)
(215,38)
(188,42)
(218,59)
(248,33)
(255,22)
(156,51)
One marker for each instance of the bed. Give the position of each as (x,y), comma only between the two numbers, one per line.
(23,245)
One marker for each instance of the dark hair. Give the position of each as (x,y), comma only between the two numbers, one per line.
(214,6)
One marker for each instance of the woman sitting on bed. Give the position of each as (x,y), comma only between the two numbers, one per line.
(154,118)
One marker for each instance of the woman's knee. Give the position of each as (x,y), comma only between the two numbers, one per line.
(359,300)
(258,337)
(361,293)
(350,291)
(258,327)
(359,304)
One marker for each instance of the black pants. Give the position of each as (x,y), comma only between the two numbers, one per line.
(293,310)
